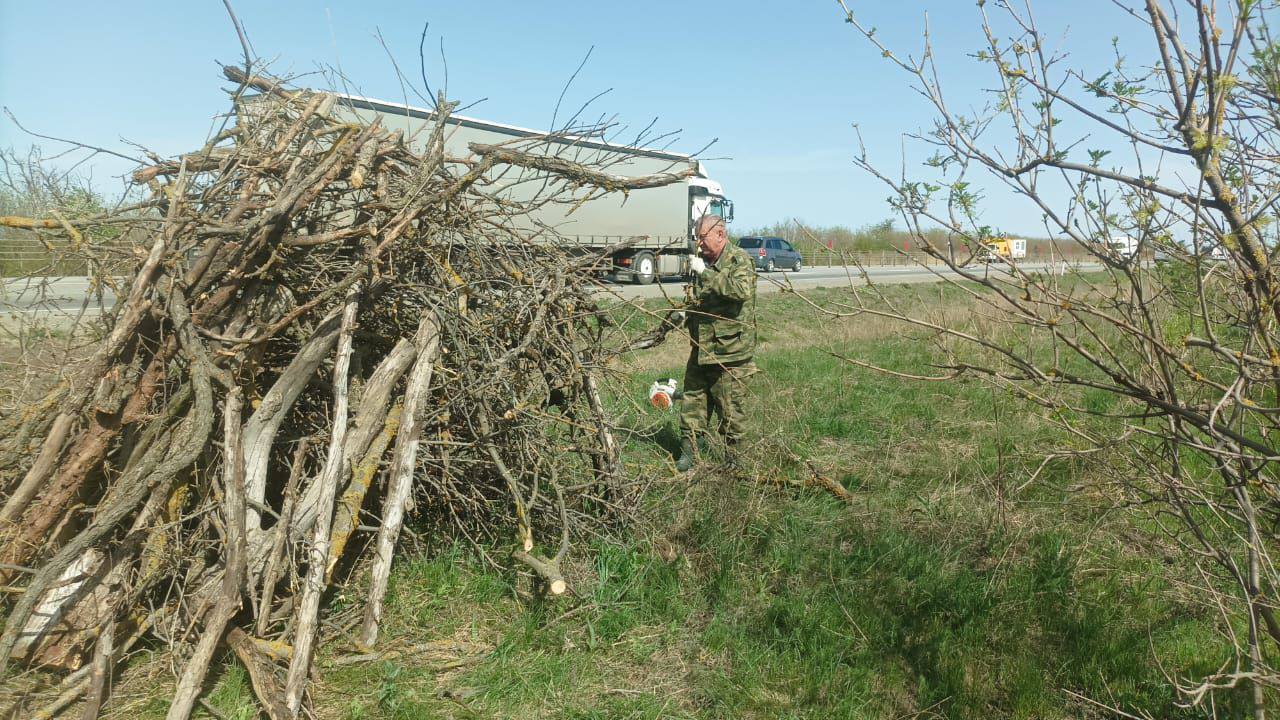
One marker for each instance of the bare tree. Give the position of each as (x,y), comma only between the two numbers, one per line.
(1177,156)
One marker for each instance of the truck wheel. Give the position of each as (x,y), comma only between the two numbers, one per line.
(643,268)
(769,266)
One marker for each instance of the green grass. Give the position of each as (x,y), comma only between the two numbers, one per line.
(923,597)
(950,588)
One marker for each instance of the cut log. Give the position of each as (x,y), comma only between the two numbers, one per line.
(404,462)
(318,556)
(40,469)
(192,680)
(260,430)
(548,570)
(100,672)
(48,615)
(368,421)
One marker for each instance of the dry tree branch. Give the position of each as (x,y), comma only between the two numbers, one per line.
(318,553)
(405,459)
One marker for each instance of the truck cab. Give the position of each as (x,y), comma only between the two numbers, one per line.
(1003,248)
(706,197)
(1120,248)
(1125,247)
(643,266)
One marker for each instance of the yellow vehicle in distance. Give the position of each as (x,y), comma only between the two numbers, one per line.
(1003,249)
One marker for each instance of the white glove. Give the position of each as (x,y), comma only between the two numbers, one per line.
(676,318)
(697,265)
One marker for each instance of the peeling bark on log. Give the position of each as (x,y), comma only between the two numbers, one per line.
(189,685)
(318,556)
(262,675)
(81,614)
(48,614)
(76,684)
(260,430)
(403,465)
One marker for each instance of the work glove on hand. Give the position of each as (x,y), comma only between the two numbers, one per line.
(697,265)
(676,318)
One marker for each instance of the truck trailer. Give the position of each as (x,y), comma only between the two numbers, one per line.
(1124,247)
(661,218)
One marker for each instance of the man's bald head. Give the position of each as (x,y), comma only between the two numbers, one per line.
(712,236)
(707,222)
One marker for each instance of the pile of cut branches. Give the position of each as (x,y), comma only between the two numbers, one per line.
(330,324)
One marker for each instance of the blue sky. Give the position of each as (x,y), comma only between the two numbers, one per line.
(778,85)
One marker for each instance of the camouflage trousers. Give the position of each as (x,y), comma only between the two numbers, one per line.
(714,390)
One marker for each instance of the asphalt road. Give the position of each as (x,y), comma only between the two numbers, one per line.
(53,295)
(815,277)
(66,296)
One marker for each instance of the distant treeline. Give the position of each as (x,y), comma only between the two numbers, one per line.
(882,236)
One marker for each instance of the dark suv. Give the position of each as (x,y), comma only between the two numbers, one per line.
(771,253)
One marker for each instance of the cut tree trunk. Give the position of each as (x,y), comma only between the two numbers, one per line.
(318,557)
(404,462)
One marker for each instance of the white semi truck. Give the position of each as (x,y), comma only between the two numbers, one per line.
(661,217)
(1125,247)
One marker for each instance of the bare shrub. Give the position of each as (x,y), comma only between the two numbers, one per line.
(1174,365)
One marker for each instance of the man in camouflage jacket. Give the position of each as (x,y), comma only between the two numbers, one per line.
(722,330)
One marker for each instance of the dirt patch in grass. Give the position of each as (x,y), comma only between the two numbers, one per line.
(35,357)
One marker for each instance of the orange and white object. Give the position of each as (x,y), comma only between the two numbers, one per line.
(662,393)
